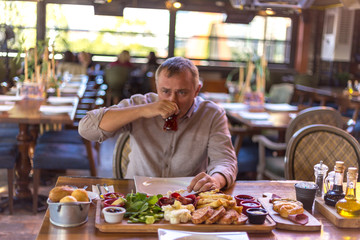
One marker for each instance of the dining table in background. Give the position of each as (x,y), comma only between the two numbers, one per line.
(256,118)
(325,95)
(284,188)
(26,113)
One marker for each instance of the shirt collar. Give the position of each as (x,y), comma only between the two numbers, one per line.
(192,109)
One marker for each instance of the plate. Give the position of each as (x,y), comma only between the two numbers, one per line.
(154,185)
(165,234)
(50,110)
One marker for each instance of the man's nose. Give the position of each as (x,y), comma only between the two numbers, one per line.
(173,97)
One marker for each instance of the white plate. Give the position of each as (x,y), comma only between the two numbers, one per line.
(61,100)
(154,185)
(55,109)
(165,234)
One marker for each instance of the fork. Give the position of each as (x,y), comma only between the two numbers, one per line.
(100,195)
(106,187)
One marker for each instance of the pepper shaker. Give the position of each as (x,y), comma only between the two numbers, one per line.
(320,171)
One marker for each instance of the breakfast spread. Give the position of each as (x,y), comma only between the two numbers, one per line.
(211,207)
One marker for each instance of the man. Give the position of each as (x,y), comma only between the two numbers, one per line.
(201,144)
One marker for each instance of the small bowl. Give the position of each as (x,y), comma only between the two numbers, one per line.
(256,215)
(249,204)
(113,195)
(113,214)
(243,197)
(108,203)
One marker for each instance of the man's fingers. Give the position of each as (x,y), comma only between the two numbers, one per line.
(194,181)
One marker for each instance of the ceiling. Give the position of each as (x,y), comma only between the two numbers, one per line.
(217,5)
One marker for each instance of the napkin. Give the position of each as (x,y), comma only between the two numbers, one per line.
(55,109)
(4,108)
(166,234)
(234,106)
(102,189)
(4,98)
(62,100)
(254,115)
(280,107)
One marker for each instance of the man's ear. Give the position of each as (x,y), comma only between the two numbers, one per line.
(198,89)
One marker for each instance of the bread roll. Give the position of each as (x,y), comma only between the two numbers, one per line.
(68,199)
(58,193)
(81,195)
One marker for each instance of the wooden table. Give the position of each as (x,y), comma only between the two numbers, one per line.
(26,113)
(255,188)
(324,95)
(277,120)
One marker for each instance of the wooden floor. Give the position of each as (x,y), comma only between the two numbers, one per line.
(23,224)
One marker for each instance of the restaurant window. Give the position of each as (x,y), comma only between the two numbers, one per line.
(76,28)
(210,38)
(20,18)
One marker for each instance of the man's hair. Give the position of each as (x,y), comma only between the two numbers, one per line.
(176,65)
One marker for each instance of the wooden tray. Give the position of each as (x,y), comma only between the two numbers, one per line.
(330,213)
(268,226)
(283,223)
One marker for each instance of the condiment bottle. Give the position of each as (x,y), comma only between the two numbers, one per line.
(320,171)
(336,193)
(349,87)
(349,206)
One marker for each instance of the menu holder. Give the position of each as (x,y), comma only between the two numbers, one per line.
(330,213)
(124,226)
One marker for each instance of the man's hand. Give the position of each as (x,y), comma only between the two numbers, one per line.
(164,108)
(204,182)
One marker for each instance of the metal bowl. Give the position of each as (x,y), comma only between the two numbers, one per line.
(68,214)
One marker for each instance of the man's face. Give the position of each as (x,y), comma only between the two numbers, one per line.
(178,88)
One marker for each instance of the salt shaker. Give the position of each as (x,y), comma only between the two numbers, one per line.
(320,171)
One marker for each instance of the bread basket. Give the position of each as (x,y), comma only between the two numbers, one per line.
(68,214)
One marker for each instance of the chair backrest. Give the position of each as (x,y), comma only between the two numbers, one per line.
(317,142)
(121,155)
(281,93)
(314,115)
(115,78)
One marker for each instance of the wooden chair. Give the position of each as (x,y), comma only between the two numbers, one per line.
(281,93)
(313,143)
(121,155)
(273,166)
(8,154)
